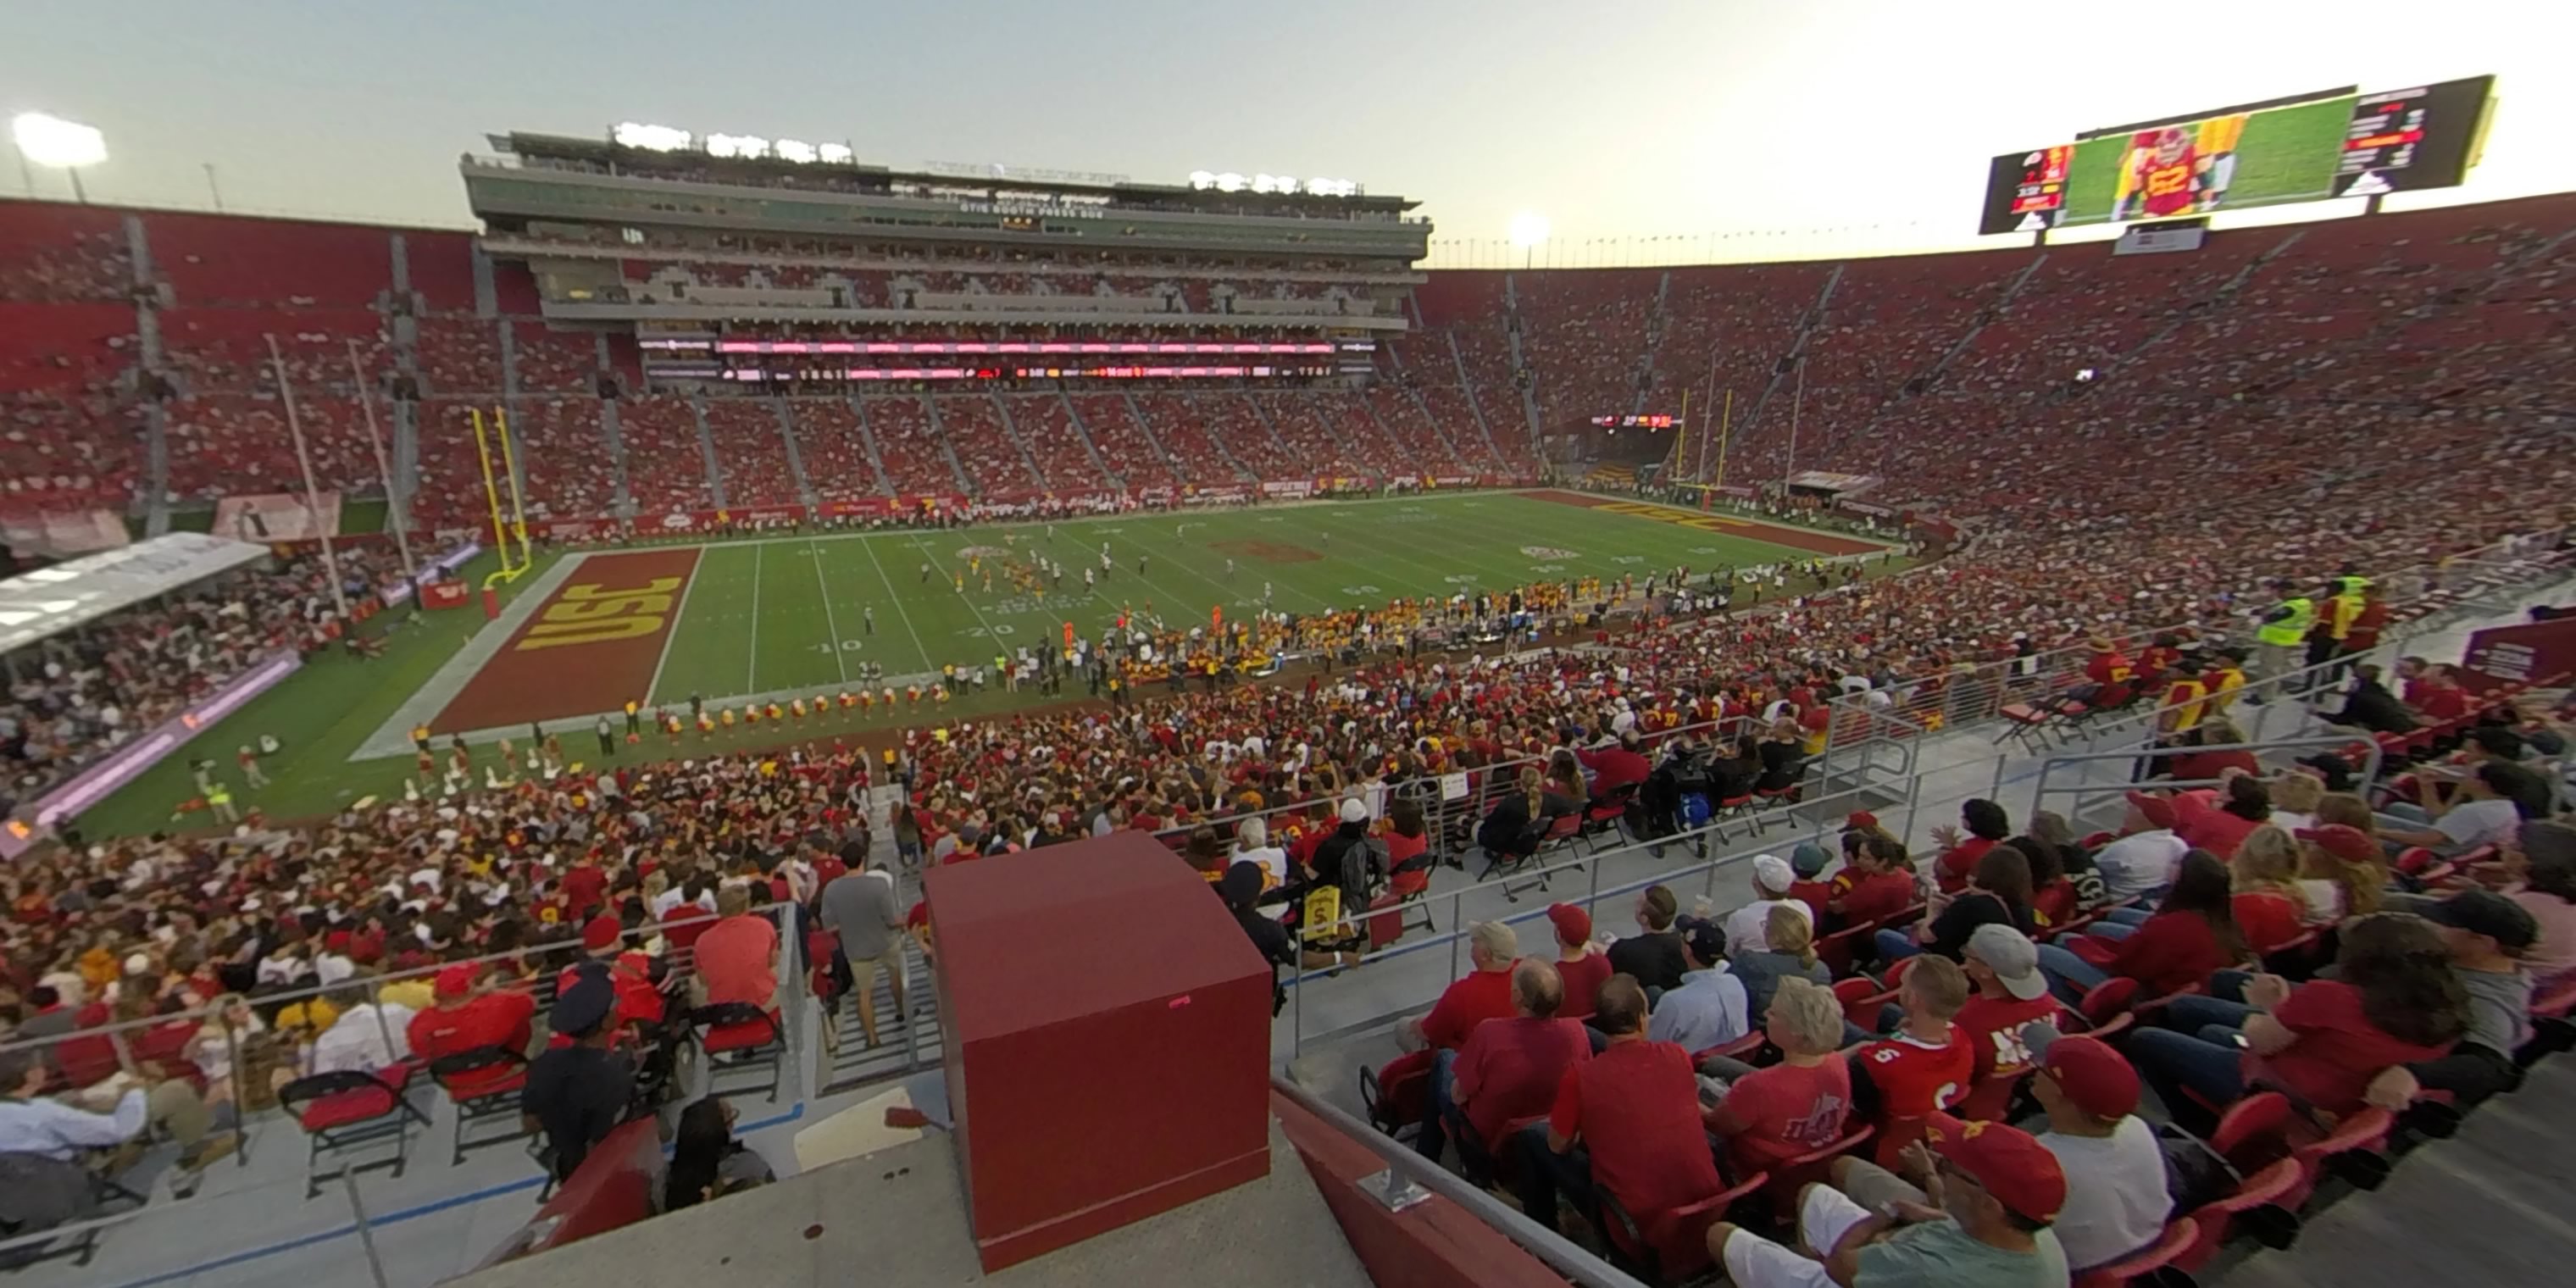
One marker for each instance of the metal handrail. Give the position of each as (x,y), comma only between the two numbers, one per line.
(1561,1254)
(2369,771)
(1488,775)
(1857,797)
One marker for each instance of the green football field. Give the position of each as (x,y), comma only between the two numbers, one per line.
(2286,154)
(782,615)
(785,614)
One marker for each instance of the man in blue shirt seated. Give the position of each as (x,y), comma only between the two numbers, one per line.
(1710,1008)
(32,1124)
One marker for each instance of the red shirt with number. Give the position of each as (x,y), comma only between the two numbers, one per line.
(1915,1077)
(1992,1027)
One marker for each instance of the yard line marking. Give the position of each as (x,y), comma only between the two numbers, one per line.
(816,556)
(1237,595)
(896,597)
(980,621)
(679,620)
(751,672)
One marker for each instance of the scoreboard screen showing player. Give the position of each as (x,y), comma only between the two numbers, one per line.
(1635,422)
(2329,145)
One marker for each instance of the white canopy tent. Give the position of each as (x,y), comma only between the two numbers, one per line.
(67,595)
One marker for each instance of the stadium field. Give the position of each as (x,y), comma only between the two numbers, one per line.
(2286,154)
(732,620)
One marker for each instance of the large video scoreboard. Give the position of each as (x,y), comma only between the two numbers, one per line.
(2308,147)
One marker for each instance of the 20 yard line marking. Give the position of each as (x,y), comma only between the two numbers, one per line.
(828,624)
(895,597)
(751,672)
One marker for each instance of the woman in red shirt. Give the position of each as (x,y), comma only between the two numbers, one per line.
(2214,821)
(1408,872)
(1986,824)
(2270,910)
(2396,1000)
(2193,935)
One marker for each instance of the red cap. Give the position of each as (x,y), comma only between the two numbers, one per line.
(1573,925)
(602,931)
(2006,1161)
(337,941)
(1861,818)
(2095,1078)
(2343,841)
(456,980)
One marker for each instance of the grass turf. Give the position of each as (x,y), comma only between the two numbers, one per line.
(792,614)
(777,613)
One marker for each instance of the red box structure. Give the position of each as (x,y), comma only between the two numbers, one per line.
(1107,1032)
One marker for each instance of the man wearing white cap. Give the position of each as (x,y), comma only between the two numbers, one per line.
(1745,927)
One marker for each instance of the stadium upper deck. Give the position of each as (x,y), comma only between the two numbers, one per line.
(618,233)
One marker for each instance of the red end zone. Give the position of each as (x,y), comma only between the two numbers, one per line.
(592,647)
(1727,524)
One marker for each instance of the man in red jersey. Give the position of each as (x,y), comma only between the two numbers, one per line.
(470,1014)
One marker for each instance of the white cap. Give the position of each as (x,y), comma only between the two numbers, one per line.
(138,964)
(1354,811)
(1772,873)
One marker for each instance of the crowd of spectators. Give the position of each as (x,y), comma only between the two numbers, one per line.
(973,429)
(833,447)
(1215,432)
(666,465)
(915,462)
(1132,451)
(1045,426)
(74,698)
(751,449)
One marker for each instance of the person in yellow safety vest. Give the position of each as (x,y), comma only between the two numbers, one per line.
(633,725)
(2283,632)
(219,802)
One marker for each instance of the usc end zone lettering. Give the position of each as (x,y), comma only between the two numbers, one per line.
(591,613)
(621,607)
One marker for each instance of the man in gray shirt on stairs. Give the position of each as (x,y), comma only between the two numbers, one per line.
(860,907)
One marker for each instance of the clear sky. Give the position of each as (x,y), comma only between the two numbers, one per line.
(1738,129)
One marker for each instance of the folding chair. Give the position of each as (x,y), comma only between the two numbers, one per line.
(1839,950)
(2256,1208)
(2155,1265)
(1744,1048)
(1670,1247)
(1791,1175)
(1384,1104)
(350,1110)
(738,1036)
(1602,816)
(484,1085)
(1861,998)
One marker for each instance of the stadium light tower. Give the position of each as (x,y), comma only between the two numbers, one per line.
(1527,230)
(57,144)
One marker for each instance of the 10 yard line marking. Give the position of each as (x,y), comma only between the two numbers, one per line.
(828,624)
(751,672)
(672,636)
